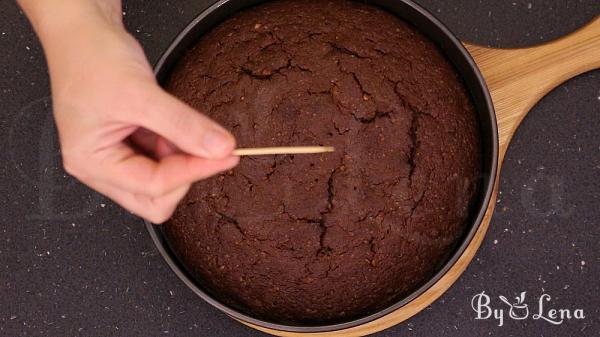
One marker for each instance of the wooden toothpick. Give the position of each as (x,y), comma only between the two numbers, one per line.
(264,151)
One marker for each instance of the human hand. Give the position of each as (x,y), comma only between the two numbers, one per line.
(120,133)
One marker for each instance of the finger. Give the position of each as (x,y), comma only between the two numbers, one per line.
(188,129)
(165,148)
(155,210)
(130,171)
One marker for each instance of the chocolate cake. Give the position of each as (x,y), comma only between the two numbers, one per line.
(326,237)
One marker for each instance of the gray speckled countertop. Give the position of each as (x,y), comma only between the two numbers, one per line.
(74,264)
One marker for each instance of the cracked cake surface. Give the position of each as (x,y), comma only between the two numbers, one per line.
(334,236)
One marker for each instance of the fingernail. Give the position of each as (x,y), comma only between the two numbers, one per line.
(217,143)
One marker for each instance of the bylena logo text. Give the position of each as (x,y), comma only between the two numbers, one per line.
(519,309)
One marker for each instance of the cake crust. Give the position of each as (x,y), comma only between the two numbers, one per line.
(326,237)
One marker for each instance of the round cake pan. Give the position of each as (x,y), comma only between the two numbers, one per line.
(453,49)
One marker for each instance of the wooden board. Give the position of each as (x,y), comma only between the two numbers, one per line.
(517,80)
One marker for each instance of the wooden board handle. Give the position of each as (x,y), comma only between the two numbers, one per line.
(519,78)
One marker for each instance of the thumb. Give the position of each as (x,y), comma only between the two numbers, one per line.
(185,127)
